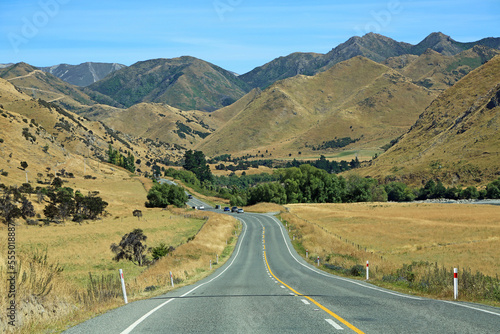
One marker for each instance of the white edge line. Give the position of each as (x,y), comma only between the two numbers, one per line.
(370,287)
(141,319)
(334,324)
(471,307)
(336,277)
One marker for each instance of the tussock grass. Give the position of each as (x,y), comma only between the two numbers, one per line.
(392,235)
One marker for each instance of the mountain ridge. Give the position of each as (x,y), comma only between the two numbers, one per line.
(185,82)
(373,46)
(83,74)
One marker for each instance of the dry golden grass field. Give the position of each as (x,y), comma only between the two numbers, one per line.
(453,235)
(48,300)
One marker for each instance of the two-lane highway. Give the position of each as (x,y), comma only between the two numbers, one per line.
(265,287)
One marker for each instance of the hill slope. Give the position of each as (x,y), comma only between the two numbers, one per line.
(39,84)
(186,83)
(456,139)
(359,99)
(46,135)
(437,71)
(161,122)
(83,74)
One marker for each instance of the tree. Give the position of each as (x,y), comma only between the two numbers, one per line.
(138,214)
(161,195)
(57,183)
(399,192)
(493,189)
(8,206)
(196,163)
(131,248)
(24,165)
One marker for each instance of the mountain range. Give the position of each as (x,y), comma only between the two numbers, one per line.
(363,96)
(189,83)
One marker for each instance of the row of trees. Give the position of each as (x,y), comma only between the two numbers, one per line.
(333,167)
(62,203)
(317,184)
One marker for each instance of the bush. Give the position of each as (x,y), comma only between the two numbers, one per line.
(357,270)
(161,195)
(161,250)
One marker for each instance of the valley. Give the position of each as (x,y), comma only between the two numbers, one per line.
(376,120)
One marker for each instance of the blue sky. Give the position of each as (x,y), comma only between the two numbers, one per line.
(237,35)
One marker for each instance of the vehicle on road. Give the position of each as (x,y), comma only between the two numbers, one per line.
(201,207)
(234,209)
(190,196)
(217,207)
(227,209)
(241,211)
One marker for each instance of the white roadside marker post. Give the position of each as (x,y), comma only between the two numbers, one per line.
(367,271)
(171,279)
(210,264)
(455,283)
(123,287)
(307,254)
(318,260)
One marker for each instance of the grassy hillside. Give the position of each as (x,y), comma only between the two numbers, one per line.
(186,83)
(359,98)
(45,135)
(436,71)
(456,139)
(46,86)
(162,122)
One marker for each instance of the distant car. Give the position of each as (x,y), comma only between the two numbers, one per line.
(201,207)
(234,209)
(227,209)
(217,207)
(190,196)
(241,211)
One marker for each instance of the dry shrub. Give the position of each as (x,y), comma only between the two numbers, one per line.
(42,295)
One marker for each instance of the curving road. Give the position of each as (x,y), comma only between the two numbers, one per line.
(266,287)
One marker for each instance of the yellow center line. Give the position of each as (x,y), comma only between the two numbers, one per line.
(339,318)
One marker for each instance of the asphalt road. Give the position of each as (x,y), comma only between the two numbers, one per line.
(266,287)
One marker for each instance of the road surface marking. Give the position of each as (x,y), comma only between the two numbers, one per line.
(337,277)
(305,301)
(315,302)
(334,324)
(471,307)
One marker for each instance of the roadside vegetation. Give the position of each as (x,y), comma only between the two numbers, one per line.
(309,184)
(410,247)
